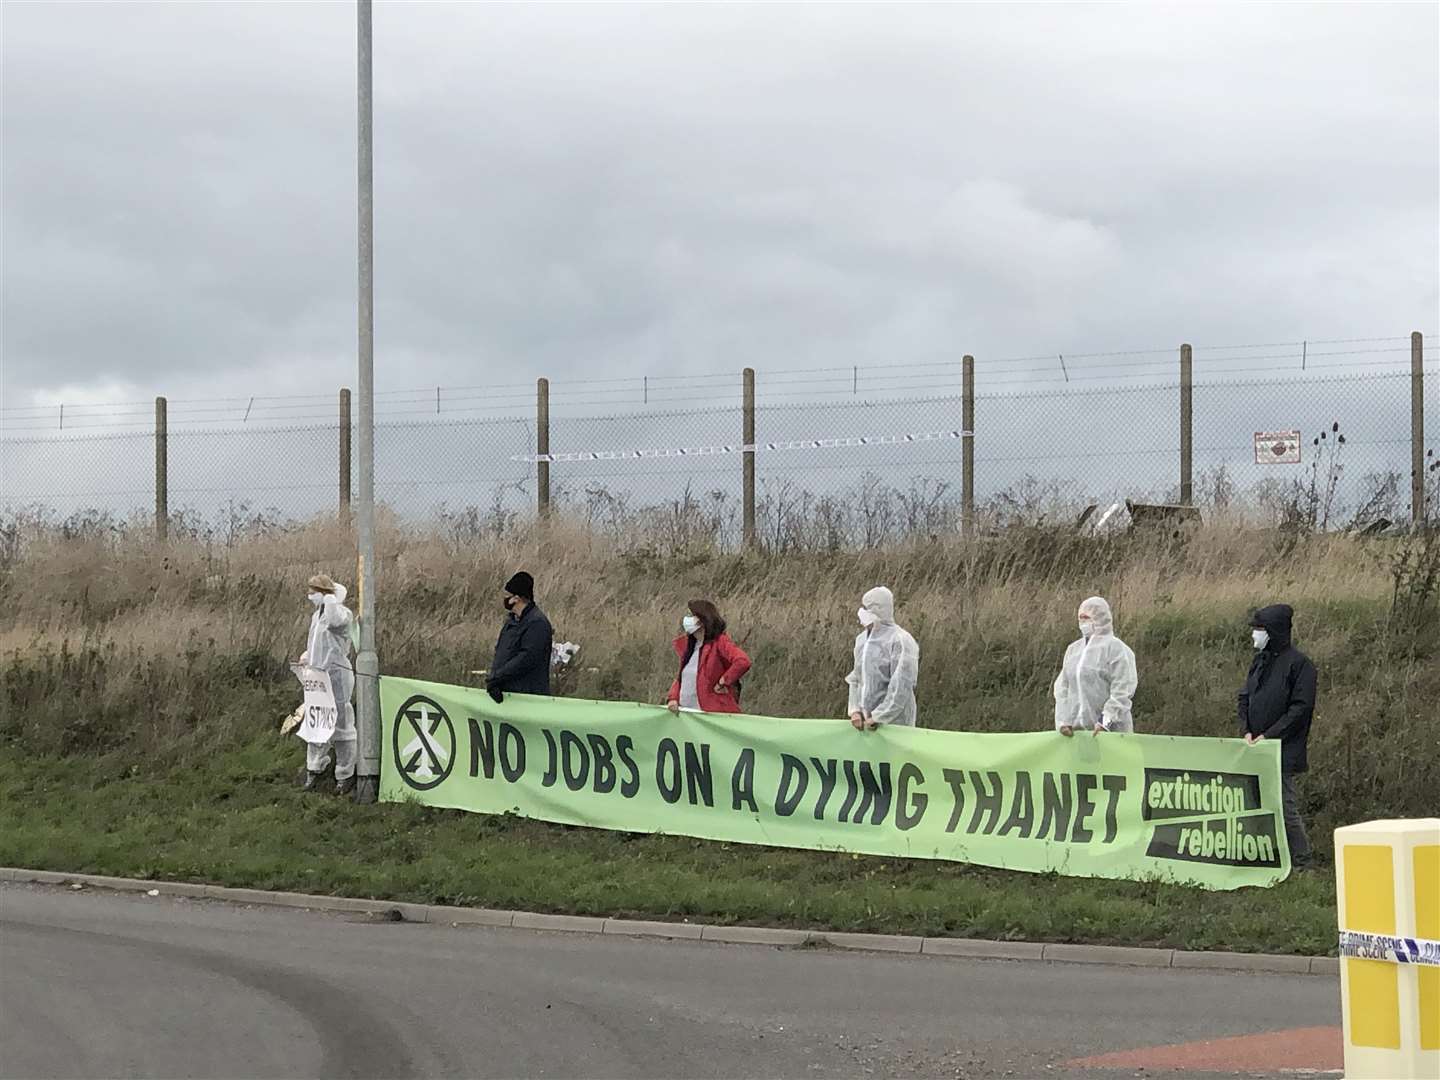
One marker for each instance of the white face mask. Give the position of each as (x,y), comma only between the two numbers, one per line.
(317,598)
(1260,637)
(866,617)
(690,624)
(1087,627)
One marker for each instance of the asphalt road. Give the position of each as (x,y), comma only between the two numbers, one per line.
(114,985)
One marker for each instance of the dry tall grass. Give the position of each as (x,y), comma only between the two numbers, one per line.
(114,643)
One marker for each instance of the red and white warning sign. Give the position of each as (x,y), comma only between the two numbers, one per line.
(1277,448)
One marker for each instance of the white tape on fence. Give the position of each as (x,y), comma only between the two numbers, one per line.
(745,448)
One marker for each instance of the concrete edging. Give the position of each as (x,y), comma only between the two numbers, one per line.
(971,948)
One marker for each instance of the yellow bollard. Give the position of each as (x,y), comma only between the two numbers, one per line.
(1387,877)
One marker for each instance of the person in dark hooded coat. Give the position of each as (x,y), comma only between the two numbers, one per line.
(1278,702)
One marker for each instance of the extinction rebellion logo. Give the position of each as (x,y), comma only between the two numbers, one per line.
(429,755)
(1223,823)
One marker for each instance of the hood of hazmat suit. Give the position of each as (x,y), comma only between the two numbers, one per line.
(328,646)
(887,665)
(1097,678)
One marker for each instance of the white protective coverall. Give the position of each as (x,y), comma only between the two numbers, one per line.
(1097,680)
(887,665)
(328,650)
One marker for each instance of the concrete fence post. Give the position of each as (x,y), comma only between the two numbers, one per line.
(345,436)
(967,437)
(542,446)
(1417,429)
(1187,428)
(748,437)
(162,470)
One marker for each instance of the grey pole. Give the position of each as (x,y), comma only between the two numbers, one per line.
(1417,429)
(162,469)
(967,436)
(747,478)
(542,446)
(1187,427)
(367,662)
(347,433)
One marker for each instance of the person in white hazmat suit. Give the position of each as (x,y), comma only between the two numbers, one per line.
(328,649)
(887,666)
(1097,680)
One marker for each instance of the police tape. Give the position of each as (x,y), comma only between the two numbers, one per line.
(746,448)
(1398,950)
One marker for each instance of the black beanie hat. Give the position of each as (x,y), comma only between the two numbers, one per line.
(521,585)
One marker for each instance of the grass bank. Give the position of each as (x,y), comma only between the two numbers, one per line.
(239,821)
(140,690)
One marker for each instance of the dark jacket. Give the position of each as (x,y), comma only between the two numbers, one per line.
(1278,698)
(522,655)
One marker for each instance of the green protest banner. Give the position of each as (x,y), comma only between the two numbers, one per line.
(1198,811)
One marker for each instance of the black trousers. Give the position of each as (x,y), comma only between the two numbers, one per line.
(1294,827)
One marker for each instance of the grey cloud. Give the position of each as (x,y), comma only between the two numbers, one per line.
(604,190)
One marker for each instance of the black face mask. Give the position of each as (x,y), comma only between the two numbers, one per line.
(509,603)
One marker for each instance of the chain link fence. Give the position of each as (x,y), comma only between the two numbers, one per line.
(867,467)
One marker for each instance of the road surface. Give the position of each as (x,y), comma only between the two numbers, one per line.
(95,984)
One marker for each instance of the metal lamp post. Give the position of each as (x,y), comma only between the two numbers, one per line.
(367,661)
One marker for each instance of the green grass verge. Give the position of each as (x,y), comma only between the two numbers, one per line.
(235,819)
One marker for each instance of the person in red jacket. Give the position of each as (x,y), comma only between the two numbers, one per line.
(711,665)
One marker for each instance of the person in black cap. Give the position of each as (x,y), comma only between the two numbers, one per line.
(522,655)
(1278,702)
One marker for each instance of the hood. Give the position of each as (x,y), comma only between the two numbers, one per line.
(1098,608)
(340,592)
(880,602)
(1275,620)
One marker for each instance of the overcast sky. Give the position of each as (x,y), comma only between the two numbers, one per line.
(588,190)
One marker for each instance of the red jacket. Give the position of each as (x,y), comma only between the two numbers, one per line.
(721,657)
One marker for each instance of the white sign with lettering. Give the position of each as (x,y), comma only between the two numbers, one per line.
(319,715)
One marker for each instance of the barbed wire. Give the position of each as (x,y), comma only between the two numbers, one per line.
(671,388)
(831,388)
(817,397)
